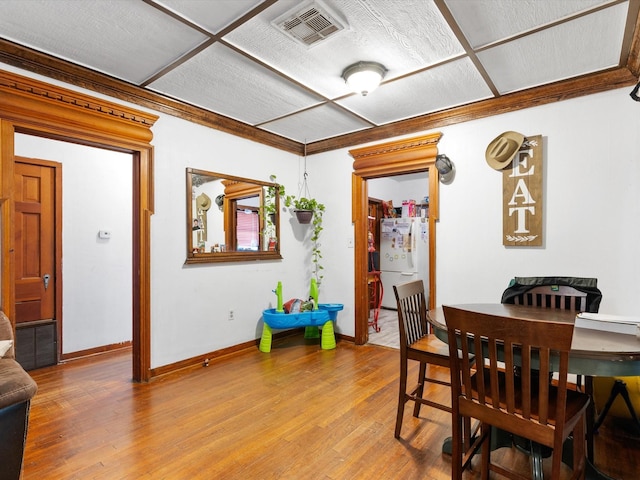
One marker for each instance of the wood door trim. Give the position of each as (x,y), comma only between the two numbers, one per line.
(57,213)
(417,154)
(37,108)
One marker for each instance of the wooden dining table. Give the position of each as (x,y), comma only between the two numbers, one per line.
(593,352)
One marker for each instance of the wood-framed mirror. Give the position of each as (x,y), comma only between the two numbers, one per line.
(231,219)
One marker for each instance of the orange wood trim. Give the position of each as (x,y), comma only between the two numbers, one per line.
(7,260)
(47,65)
(361,289)
(410,155)
(39,104)
(633,60)
(36,108)
(533,97)
(95,351)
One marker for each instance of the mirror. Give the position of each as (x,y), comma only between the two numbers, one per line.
(231,219)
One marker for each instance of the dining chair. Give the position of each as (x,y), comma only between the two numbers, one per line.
(418,343)
(544,413)
(579,294)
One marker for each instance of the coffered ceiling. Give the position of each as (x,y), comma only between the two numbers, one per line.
(232,65)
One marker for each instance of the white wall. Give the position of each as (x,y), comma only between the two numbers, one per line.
(591,202)
(96,273)
(591,229)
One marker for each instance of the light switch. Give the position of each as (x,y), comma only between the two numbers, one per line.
(104,234)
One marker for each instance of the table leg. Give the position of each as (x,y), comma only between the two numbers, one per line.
(328,339)
(265,340)
(591,415)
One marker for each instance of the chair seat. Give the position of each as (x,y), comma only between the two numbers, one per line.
(576,402)
(432,345)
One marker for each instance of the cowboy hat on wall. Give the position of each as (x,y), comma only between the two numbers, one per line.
(503,148)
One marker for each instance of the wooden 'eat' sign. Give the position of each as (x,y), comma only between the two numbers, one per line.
(522,196)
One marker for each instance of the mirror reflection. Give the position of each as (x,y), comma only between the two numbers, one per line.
(230,218)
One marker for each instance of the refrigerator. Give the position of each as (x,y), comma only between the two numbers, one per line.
(404,254)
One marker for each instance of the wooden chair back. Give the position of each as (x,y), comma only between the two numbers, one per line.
(519,403)
(412,312)
(560,297)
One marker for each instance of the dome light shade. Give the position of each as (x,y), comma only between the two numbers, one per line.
(364,77)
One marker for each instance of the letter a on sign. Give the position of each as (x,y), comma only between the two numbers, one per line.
(522,196)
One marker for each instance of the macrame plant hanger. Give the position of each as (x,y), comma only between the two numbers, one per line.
(304,187)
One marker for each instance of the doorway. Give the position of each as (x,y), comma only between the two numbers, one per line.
(411,155)
(95,240)
(401,247)
(36,108)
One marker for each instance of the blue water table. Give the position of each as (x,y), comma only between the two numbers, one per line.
(323,315)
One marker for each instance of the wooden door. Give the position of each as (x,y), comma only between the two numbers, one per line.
(35,287)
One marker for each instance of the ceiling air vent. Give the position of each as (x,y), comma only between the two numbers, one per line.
(309,24)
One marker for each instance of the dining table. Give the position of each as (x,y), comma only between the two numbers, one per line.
(593,353)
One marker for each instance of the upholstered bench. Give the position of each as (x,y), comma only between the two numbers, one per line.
(17,389)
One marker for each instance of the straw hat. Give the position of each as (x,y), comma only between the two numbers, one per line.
(503,148)
(203,202)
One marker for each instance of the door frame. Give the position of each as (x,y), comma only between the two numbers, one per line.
(409,155)
(36,108)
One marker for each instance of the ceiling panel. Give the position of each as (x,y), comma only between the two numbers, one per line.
(557,53)
(125,39)
(325,121)
(488,21)
(224,81)
(211,19)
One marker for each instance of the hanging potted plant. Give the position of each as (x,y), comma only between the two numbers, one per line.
(311,211)
(270,200)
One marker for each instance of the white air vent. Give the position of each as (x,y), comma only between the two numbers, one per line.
(309,24)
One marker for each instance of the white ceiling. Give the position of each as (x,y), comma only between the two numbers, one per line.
(227,57)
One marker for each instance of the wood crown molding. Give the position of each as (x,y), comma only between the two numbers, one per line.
(34,102)
(404,156)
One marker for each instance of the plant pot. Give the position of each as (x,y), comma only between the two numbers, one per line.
(304,216)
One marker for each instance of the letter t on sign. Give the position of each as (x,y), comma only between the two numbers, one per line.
(522,196)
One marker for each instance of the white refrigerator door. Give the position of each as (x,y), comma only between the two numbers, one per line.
(389,279)
(397,245)
(403,257)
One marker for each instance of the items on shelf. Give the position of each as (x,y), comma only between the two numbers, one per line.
(410,208)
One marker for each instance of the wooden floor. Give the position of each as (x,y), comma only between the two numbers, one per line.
(295,413)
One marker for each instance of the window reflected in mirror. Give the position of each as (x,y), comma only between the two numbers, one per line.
(230,218)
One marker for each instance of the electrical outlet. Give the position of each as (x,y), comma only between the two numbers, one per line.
(230,315)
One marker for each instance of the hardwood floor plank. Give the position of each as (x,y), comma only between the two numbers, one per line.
(296,413)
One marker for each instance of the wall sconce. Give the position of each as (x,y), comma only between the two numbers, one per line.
(634,93)
(364,77)
(446,169)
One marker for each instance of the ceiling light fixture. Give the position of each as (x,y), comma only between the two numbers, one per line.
(364,77)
